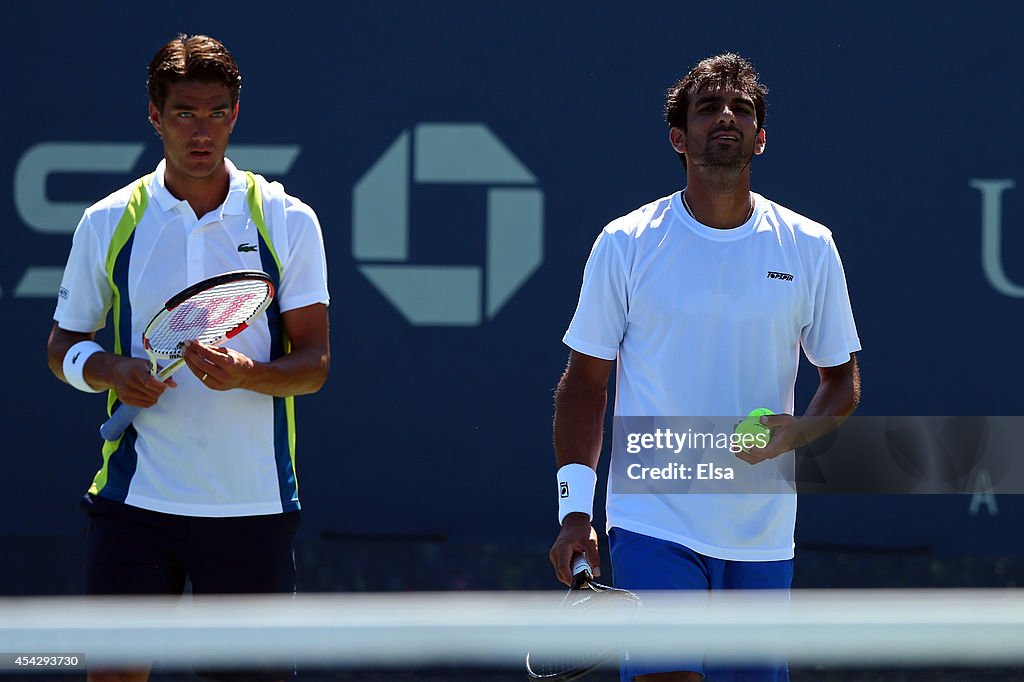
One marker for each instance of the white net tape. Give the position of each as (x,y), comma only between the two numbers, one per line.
(857,628)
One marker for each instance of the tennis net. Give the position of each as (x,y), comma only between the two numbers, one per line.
(862,628)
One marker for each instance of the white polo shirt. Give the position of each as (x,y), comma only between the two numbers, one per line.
(197,452)
(709,322)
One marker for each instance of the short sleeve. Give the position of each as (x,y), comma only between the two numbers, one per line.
(599,323)
(84,296)
(831,336)
(304,269)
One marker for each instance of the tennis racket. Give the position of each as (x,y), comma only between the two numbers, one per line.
(584,595)
(211,311)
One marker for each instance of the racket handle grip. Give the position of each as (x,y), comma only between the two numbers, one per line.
(580,565)
(119,421)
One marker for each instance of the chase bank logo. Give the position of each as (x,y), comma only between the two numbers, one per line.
(448,295)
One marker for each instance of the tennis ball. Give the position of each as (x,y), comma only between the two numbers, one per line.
(752,425)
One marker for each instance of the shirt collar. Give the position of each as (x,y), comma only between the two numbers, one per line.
(234,203)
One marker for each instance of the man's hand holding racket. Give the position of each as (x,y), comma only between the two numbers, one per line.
(199,318)
(134,383)
(219,368)
(576,537)
(583,597)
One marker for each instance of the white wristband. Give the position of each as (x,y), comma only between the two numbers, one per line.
(74,363)
(576,483)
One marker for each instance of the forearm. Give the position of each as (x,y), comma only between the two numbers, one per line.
(98,368)
(580,402)
(57,347)
(300,372)
(837,397)
(129,377)
(579,423)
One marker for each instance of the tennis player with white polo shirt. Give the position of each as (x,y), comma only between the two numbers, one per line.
(203,484)
(703,301)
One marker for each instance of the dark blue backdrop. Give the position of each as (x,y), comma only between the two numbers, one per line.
(880,115)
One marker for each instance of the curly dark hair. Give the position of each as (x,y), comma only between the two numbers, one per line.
(199,58)
(727,71)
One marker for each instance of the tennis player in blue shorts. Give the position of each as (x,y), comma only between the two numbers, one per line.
(703,301)
(202,486)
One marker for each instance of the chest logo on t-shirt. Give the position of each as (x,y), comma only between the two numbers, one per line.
(247,248)
(784,276)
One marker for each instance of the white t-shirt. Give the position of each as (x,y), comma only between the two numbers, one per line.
(709,322)
(198,452)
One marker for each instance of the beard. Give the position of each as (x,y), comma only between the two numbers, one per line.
(722,160)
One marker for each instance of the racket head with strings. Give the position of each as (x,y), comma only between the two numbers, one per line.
(211,311)
(584,594)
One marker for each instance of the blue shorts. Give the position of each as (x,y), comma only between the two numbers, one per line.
(640,562)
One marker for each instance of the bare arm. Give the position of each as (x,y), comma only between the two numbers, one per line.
(580,402)
(302,370)
(837,397)
(838,393)
(129,377)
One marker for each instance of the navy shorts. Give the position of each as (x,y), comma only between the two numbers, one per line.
(133,551)
(640,562)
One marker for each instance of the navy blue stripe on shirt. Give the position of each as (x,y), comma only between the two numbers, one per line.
(125,460)
(286,479)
